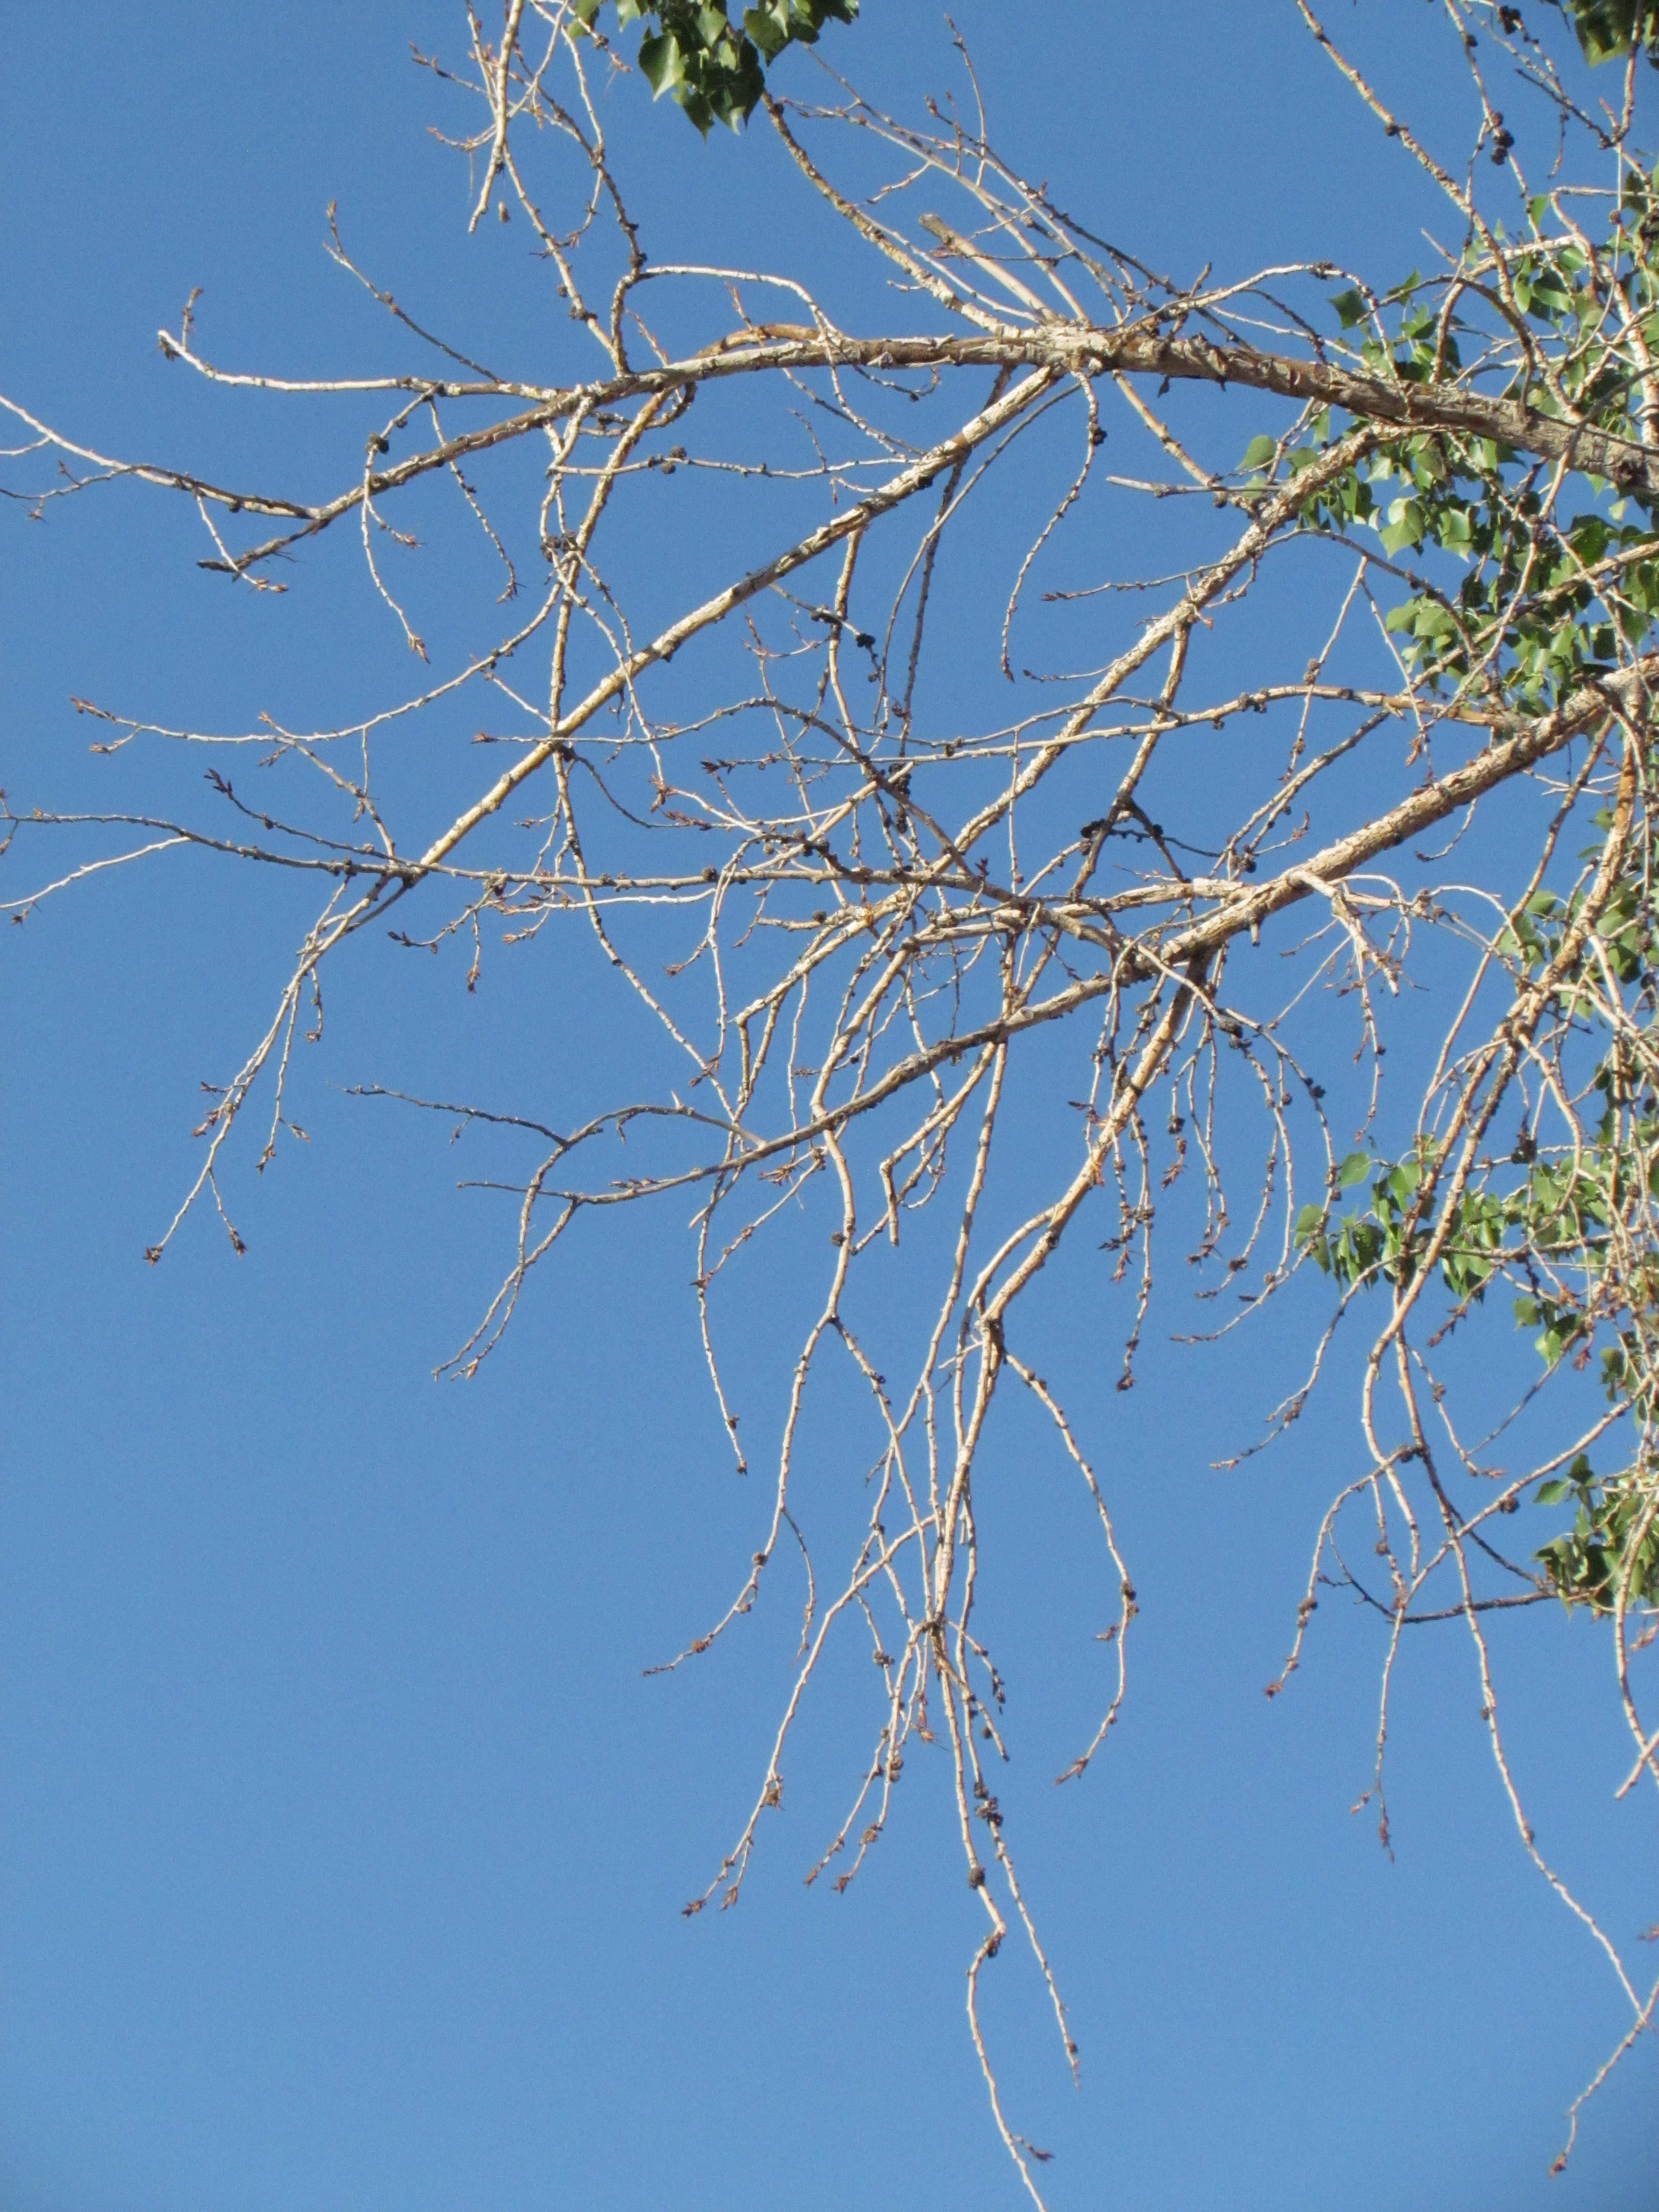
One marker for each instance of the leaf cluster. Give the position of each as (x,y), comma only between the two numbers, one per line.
(1384,1242)
(1607,28)
(1614,1531)
(713,68)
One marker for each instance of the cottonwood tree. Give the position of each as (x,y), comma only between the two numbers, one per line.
(860,927)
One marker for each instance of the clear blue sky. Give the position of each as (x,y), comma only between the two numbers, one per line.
(342,1841)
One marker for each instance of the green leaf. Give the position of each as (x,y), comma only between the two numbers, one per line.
(1433,620)
(1551,1492)
(1350,308)
(764,28)
(1353,1169)
(1405,527)
(661,63)
(702,111)
(1259,452)
(1607,28)
(1454,527)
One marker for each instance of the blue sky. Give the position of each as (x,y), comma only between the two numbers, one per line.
(342,1841)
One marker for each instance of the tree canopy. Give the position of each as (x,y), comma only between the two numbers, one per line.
(715,67)
(1351,769)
